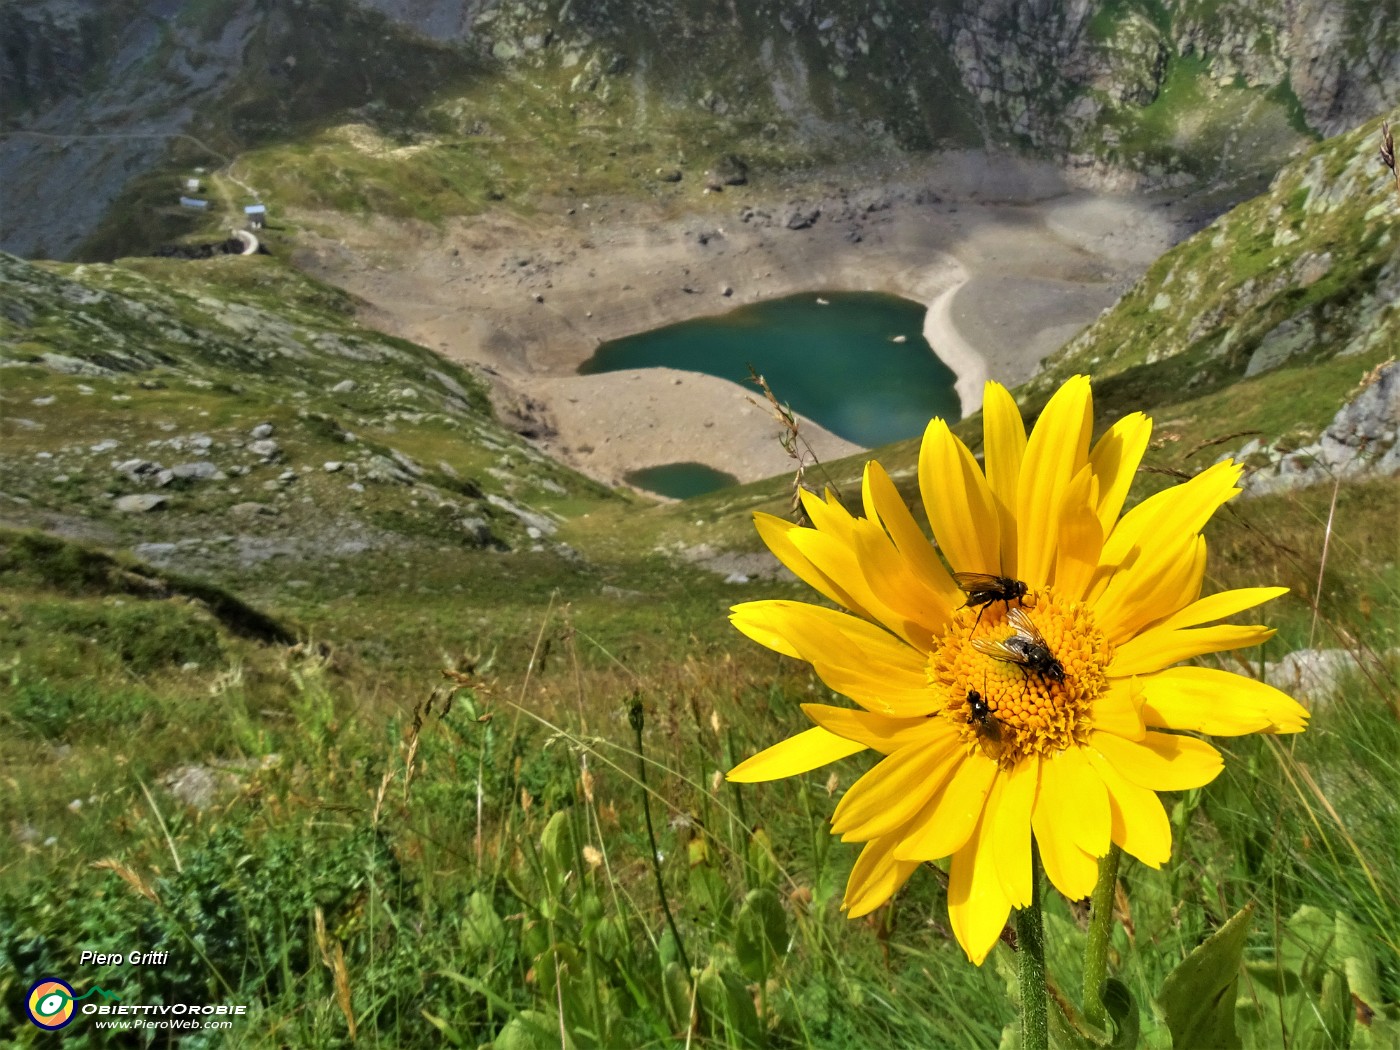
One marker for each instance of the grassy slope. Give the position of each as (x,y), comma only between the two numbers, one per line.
(428,838)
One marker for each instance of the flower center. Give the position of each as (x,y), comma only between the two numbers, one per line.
(1020,677)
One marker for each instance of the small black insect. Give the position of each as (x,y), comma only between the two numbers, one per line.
(984,723)
(1027,648)
(983,588)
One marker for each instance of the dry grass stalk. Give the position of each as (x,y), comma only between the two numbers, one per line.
(333,958)
(794,444)
(128,876)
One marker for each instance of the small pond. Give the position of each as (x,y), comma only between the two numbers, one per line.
(681,480)
(833,356)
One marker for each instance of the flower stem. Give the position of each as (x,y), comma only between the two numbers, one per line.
(637,716)
(1096,947)
(1030,957)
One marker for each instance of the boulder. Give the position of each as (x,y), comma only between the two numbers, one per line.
(140,502)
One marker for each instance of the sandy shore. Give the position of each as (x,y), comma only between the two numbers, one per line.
(1011,261)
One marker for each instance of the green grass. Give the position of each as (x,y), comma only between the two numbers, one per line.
(453,929)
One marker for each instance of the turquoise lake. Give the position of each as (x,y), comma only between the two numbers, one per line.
(837,364)
(681,480)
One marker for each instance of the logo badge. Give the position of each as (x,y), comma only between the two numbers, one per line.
(50,1004)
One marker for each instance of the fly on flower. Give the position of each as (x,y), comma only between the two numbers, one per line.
(1075,672)
(983,588)
(1025,646)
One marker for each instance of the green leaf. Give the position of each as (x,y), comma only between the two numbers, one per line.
(1123,1012)
(448,1032)
(557,852)
(765,864)
(482,928)
(707,895)
(726,1003)
(1337,1013)
(532,1030)
(676,988)
(1070,1031)
(1198,997)
(1359,961)
(761,934)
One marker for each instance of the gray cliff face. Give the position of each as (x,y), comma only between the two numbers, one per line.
(1341,59)
(1156,92)
(1086,78)
(96,93)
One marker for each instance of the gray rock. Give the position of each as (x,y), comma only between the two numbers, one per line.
(261,431)
(139,469)
(1282,342)
(198,786)
(105,445)
(140,503)
(1312,673)
(407,462)
(203,470)
(529,518)
(332,466)
(345,386)
(265,447)
(477,530)
(248,510)
(800,218)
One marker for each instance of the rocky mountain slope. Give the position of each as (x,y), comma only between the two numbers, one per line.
(1267,320)
(482,99)
(229,417)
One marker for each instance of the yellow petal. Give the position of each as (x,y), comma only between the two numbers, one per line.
(945,823)
(1115,460)
(836,557)
(1003,448)
(958,502)
(776,533)
(876,877)
(1157,582)
(894,791)
(1161,761)
(1072,871)
(1181,510)
(1208,700)
(917,613)
(1073,796)
(853,657)
(884,504)
(977,906)
(1160,647)
(1080,536)
(883,734)
(1010,817)
(1223,604)
(1058,448)
(797,754)
(827,514)
(1118,710)
(1140,824)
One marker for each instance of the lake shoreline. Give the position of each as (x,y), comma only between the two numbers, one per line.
(1008,258)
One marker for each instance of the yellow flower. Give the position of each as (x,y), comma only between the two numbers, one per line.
(1055,714)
